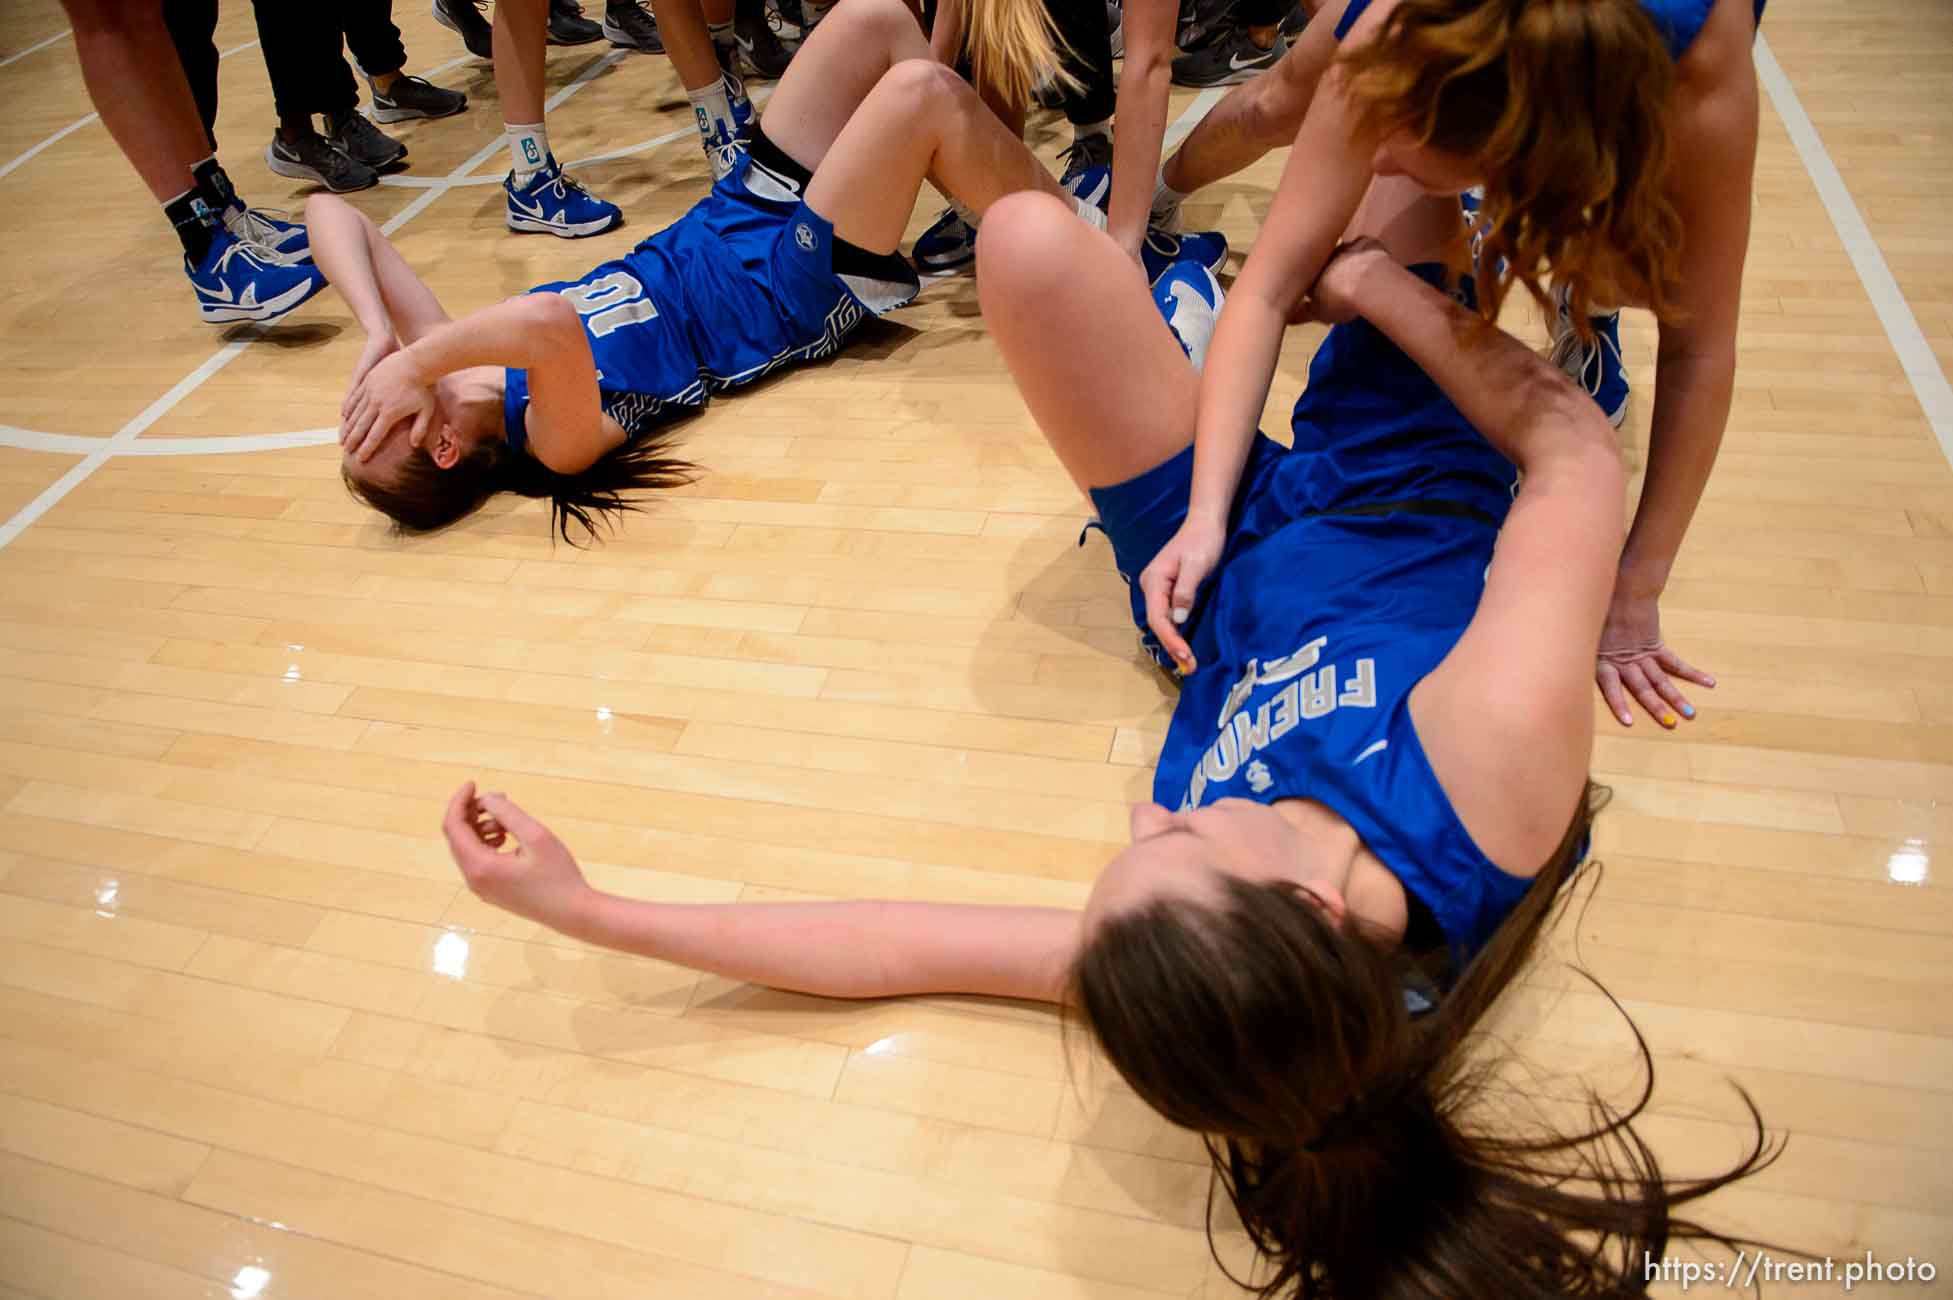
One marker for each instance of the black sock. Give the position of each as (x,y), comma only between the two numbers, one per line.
(215,186)
(195,222)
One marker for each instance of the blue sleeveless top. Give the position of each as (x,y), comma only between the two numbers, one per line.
(1357,561)
(1680,21)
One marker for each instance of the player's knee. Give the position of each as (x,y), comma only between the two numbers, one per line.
(924,85)
(877,22)
(1022,243)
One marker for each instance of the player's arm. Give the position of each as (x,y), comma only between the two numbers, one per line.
(1322,184)
(1145,80)
(839,949)
(1506,718)
(386,296)
(540,333)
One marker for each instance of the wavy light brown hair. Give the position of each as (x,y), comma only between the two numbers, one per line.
(1563,104)
(422,497)
(1364,1152)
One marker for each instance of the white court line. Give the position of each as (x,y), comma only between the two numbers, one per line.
(80,122)
(1186,122)
(38,45)
(1901,326)
(122,442)
(82,444)
(51,141)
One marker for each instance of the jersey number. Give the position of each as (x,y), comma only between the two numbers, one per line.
(610,302)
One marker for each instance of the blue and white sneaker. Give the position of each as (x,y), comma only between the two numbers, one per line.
(1596,366)
(238,281)
(949,244)
(741,105)
(1190,298)
(552,203)
(1162,249)
(285,241)
(1091,183)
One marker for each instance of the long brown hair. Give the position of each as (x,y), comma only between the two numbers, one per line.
(421,496)
(1564,105)
(1354,1144)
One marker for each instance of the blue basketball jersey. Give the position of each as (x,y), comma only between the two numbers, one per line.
(742,284)
(1355,563)
(1680,21)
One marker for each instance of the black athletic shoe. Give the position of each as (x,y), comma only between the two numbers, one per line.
(1083,153)
(1292,26)
(1227,62)
(356,137)
(568,26)
(314,158)
(464,17)
(1202,23)
(760,52)
(413,97)
(629,27)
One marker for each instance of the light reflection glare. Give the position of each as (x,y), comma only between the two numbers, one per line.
(249,1282)
(291,673)
(107,894)
(603,715)
(451,956)
(1910,864)
(881,1046)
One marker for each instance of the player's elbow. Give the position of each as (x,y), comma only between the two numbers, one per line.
(551,316)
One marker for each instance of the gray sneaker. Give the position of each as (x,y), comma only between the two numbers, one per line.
(413,97)
(314,158)
(356,137)
(629,27)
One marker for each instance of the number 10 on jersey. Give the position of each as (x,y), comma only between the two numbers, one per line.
(610,302)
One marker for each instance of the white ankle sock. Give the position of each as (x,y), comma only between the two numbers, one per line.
(1090,212)
(712,108)
(1165,197)
(1080,130)
(528,148)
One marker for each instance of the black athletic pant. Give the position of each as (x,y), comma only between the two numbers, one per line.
(301,40)
(1084,26)
(1261,13)
(192,23)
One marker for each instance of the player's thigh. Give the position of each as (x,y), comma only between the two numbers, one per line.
(834,71)
(1103,376)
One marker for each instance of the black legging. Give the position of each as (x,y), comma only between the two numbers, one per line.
(192,23)
(302,52)
(1084,26)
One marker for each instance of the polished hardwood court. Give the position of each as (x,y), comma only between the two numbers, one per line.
(256,1039)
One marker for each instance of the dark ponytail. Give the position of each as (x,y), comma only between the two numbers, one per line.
(1361,1150)
(423,497)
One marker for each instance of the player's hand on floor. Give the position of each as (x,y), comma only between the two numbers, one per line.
(1172,581)
(392,391)
(1636,667)
(538,878)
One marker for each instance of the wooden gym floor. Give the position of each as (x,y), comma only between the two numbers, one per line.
(256,1040)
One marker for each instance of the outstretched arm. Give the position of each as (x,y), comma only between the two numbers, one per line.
(1145,80)
(1695,369)
(1320,189)
(838,950)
